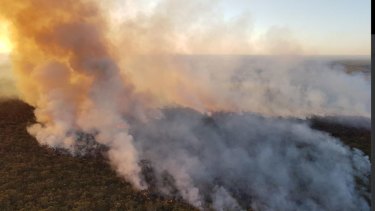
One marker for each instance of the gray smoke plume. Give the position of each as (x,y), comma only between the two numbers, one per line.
(66,66)
(270,85)
(241,161)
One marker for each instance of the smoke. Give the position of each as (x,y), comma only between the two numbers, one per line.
(248,160)
(176,30)
(96,85)
(349,121)
(65,69)
(273,86)
(283,85)
(7,83)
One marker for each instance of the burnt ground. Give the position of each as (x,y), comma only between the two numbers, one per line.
(38,178)
(356,137)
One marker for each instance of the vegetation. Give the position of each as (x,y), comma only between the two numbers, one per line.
(38,178)
(359,138)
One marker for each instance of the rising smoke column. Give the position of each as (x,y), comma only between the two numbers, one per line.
(65,69)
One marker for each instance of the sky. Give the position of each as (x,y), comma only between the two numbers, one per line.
(326,26)
(323,27)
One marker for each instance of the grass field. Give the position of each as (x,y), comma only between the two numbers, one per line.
(38,178)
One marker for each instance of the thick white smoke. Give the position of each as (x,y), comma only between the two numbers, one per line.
(248,160)
(62,115)
(270,85)
(84,98)
(233,160)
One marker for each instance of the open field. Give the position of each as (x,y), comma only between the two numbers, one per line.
(37,178)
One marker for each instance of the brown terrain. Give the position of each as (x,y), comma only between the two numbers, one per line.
(39,178)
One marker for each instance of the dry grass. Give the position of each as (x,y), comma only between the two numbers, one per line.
(37,178)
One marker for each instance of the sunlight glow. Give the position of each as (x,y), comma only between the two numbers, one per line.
(5,43)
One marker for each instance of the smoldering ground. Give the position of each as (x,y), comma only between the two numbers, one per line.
(234,160)
(240,161)
(231,161)
(86,82)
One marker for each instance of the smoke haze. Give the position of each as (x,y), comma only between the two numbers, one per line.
(93,84)
(277,164)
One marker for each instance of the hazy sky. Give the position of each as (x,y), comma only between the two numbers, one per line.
(327,26)
(333,27)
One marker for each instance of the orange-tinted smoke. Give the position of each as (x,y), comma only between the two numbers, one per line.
(44,30)
(64,67)
(73,33)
